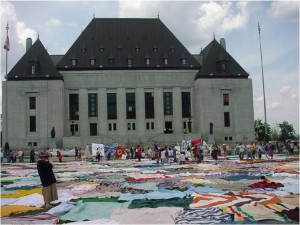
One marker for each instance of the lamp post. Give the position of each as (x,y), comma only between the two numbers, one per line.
(263,82)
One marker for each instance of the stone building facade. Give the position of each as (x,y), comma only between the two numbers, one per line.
(126,81)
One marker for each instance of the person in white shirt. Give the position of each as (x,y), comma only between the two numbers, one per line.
(182,158)
(163,156)
(242,151)
(1,155)
(21,156)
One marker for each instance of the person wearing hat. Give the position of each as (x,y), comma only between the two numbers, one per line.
(48,180)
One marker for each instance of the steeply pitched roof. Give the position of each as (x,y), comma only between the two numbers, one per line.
(36,57)
(216,62)
(112,42)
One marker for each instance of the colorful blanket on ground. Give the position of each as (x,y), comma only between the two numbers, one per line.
(211,215)
(255,212)
(43,218)
(9,210)
(266,184)
(230,199)
(244,206)
(161,215)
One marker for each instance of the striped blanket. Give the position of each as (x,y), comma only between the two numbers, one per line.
(210,215)
(42,218)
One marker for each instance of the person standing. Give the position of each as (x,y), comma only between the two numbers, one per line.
(224,147)
(76,153)
(59,156)
(182,158)
(80,154)
(157,156)
(14,156)
(131,152)
(253,150)
(242,151)
(32,156)
(259,153)
(1,155)
(271,150)
(98,154)
(139,153)
(48,180)
(163,156)
(21,156)
(108,155)
(174,154)
(249,152)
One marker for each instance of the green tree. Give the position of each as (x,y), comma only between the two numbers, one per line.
(274,134)
(259,129)
(286,131)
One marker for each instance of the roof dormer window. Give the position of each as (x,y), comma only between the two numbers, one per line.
(111,59)
(137,48)
(101,49)
(223,67)
(129,62)
(165,59)
(119,48)
(183,61)
(33,69)
(148,61)
(155,49)
(74,62)
(92,62)
(172,49)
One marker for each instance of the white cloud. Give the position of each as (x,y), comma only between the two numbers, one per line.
(58,22)
(222,17)
(53,22)
(288,10)
(288,92)
(24,32)
(240,19)
(273,105)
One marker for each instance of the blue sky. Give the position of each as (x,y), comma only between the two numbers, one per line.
(194,23)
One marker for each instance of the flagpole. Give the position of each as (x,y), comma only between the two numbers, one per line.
(7,28)
(6,120)
(263,82)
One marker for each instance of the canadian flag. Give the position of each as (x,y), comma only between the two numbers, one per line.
(6,45)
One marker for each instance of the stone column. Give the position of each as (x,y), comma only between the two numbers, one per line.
(177,110)
(121,112)
(159,110)
(140,113)
(83,113)
(102,111)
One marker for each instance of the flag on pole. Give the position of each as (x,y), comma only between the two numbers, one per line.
(6,45)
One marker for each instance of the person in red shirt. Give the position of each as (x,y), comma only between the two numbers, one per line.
(59,156)
(139,153)
(224,150)
(157,155)
(197,154)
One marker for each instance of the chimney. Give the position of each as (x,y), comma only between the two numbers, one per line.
(223,43)
(28,43)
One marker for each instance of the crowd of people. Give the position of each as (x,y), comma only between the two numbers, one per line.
(166,154)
